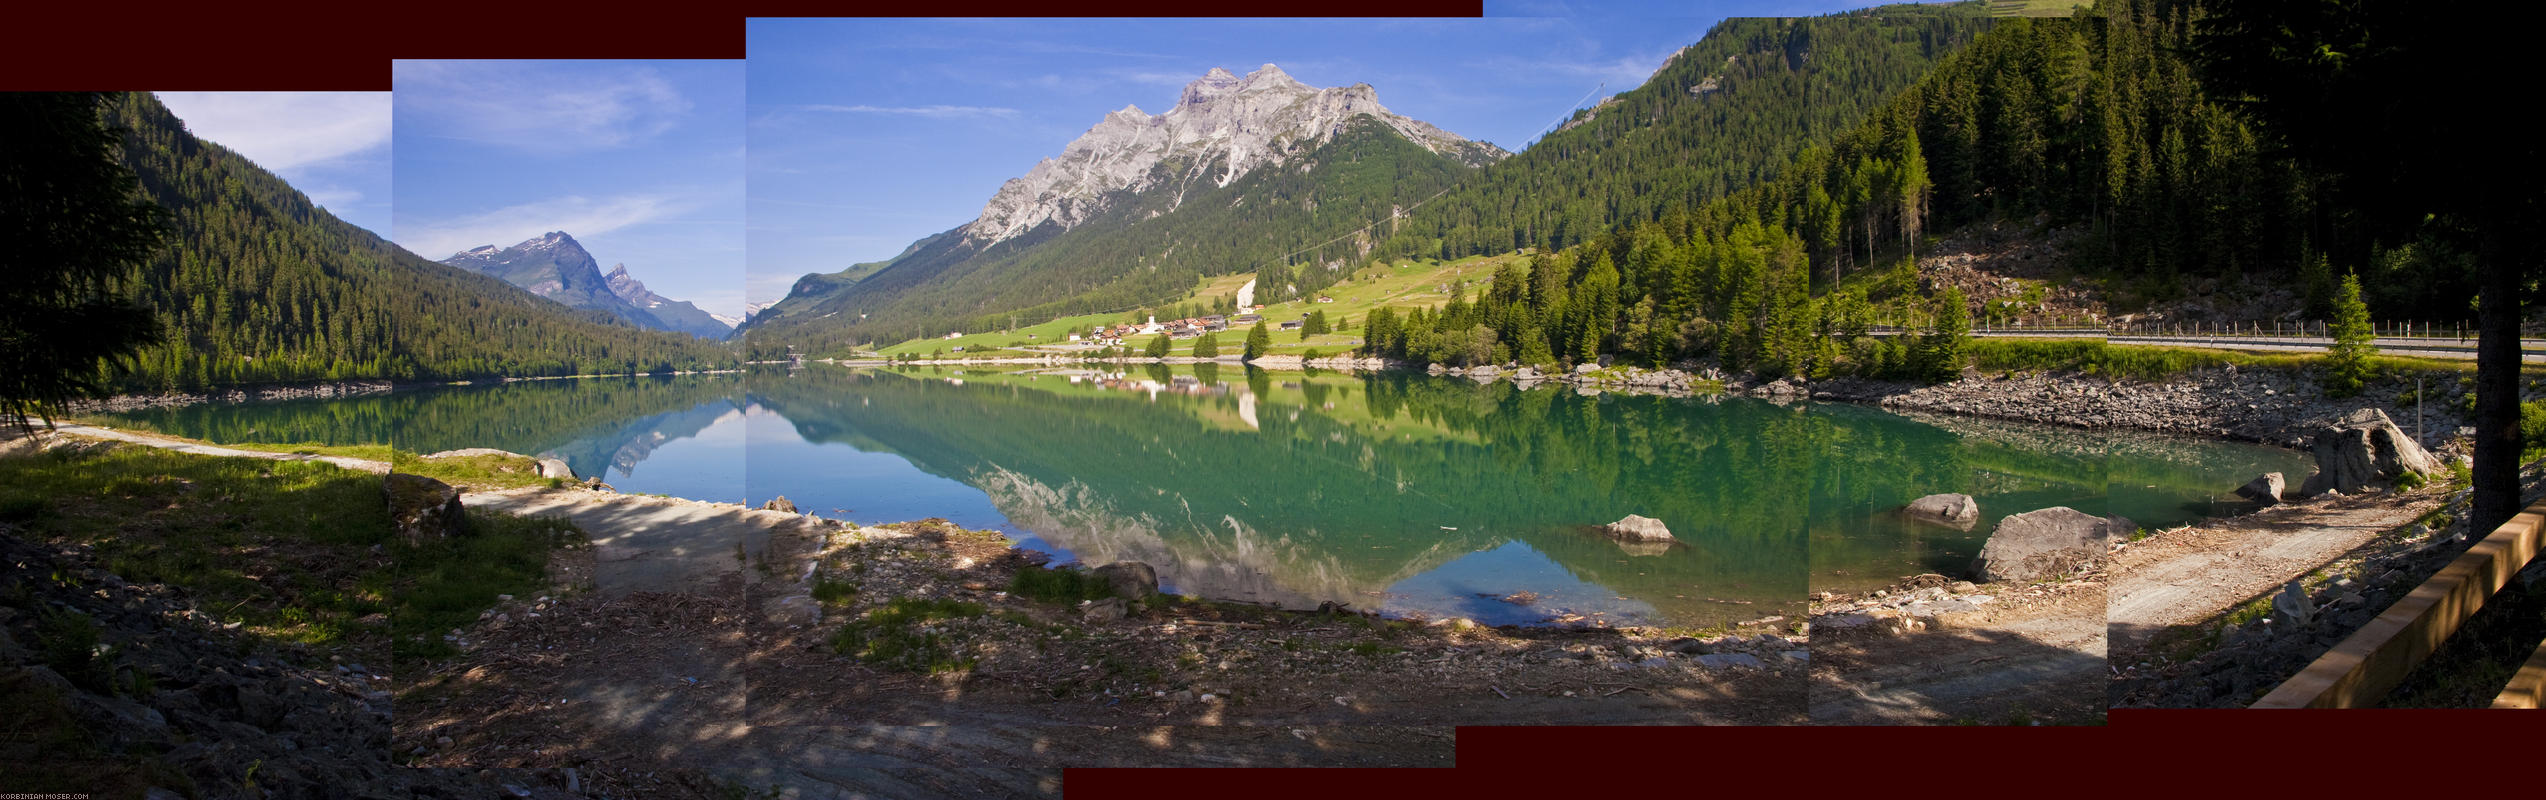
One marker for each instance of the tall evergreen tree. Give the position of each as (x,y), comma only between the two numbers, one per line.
(73,232)
(2347,361)
(1941,349)
(1258,340)
(2381,95)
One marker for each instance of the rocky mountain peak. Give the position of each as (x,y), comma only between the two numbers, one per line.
(1212,85)
(1221,128)
(626,287)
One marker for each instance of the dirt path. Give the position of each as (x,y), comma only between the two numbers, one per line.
(644,543)
(196,448)
(2034,655)
(2192,575)
(692,654)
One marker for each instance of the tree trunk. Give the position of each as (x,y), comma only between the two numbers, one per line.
(2497,363)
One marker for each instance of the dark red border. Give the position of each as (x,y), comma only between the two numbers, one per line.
(345,46)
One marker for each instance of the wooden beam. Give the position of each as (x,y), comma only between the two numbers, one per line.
(2528,686)
(2360,671)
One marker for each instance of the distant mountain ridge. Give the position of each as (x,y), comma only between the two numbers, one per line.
(555,266)
(679,315)
(259,285)
(1221,128)
(1141,206)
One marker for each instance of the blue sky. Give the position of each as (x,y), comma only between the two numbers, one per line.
(866,135)
(333,146)
(641,161)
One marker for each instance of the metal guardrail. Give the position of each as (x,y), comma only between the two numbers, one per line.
(2434,346)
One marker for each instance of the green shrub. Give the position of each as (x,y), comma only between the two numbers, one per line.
(70,648)
(2532,429)
(1063,586)
(833,591)
(897,636)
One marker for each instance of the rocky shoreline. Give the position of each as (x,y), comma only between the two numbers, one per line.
(245,394)
(124,403)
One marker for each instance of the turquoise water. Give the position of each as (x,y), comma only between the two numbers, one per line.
(1405,493)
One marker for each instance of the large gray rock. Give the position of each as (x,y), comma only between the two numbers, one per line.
(1955,510)
(779,503)
(553,468)
(1730,661)
(422,509)
(2037,544)
(796,609)
(2364,449)
(1638,528)
(1108,609)
(2265,488)
(1131,579)
(2294,605)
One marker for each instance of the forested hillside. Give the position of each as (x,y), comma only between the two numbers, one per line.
(1725,113)
(259,285)
(2097,120)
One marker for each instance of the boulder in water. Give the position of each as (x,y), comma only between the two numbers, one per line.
(1953,510)
(1638,528)
(2265,488)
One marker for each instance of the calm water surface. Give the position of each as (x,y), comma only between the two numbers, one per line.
(1405,493)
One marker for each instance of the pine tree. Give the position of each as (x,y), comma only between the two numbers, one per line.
(1941,350)
(1258,340)
(72,234)
(1207,346)
(2347,361)
(1159,347)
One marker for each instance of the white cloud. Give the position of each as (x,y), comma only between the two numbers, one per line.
(286,130)
(581,216)
(769,287)
(334,197)
(1153,78)
(932,112)
(535,107)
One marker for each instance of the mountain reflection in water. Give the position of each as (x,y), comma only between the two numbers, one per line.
(1400,492)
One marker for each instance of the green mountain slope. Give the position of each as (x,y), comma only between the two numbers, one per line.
(1147,248)
(2099,121)
(1727,112)
(259,285)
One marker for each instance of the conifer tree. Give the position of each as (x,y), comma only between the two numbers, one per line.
(2347,361)
(1941,350)
(73,232)
(1258,340)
